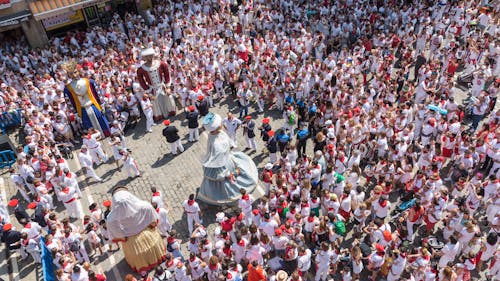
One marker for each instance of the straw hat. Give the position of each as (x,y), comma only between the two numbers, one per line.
(281,276)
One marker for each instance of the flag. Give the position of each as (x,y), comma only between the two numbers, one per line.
(47,264)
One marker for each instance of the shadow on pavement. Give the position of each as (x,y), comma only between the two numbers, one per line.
(26,270)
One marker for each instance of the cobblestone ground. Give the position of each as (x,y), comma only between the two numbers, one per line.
(176,177)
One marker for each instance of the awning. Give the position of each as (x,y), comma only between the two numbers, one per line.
(14,18)
(42,9)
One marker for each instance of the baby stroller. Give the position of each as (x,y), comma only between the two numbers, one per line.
(65,149)
(399,214)
(403,207)
(464,82)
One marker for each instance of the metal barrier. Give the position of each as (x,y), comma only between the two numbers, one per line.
(7,158)
(10,119)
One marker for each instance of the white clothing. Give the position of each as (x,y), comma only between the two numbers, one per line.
(192,214)
(177,145)
(164,225)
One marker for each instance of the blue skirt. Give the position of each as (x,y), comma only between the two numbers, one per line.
(216,189)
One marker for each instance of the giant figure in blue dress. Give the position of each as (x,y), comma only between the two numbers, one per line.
(225,172)
(82,93)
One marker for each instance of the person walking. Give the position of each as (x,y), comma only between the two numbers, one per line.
(147,108)
(192,117)
(69,197)
(130,164)
(249,133)
(202,105)
(91,140)
(193,212)
(170,132)
(272,147)
(243,95)
(86,162)
(231,125)
(302,136)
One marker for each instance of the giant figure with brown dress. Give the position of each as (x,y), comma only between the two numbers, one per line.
(154,78)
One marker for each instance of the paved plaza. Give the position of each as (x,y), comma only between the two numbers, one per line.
(176,177)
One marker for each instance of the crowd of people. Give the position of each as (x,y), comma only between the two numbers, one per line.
(369,84)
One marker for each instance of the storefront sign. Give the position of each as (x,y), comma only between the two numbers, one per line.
(61,20)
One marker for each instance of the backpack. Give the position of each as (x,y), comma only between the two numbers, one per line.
(291,118)
(339,227)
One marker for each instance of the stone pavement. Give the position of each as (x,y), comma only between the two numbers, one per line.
(176,177)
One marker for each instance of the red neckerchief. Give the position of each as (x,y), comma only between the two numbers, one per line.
(156,193)
(310,219)
(383,203)
(245,197)
(190,202)
(212,266)
(227,251)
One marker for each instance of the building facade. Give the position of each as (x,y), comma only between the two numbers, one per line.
(40,19)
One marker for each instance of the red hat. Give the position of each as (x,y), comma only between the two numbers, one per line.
(248,117)
(7,227)
(106,203)
(166,122)
(379,248)
(31,205)
(200,97)
(13,202)
(265,121)
(278,231)
(270,133)
(191,108)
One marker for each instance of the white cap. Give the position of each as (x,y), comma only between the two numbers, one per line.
(268,166)
(147,52)
(328,122)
